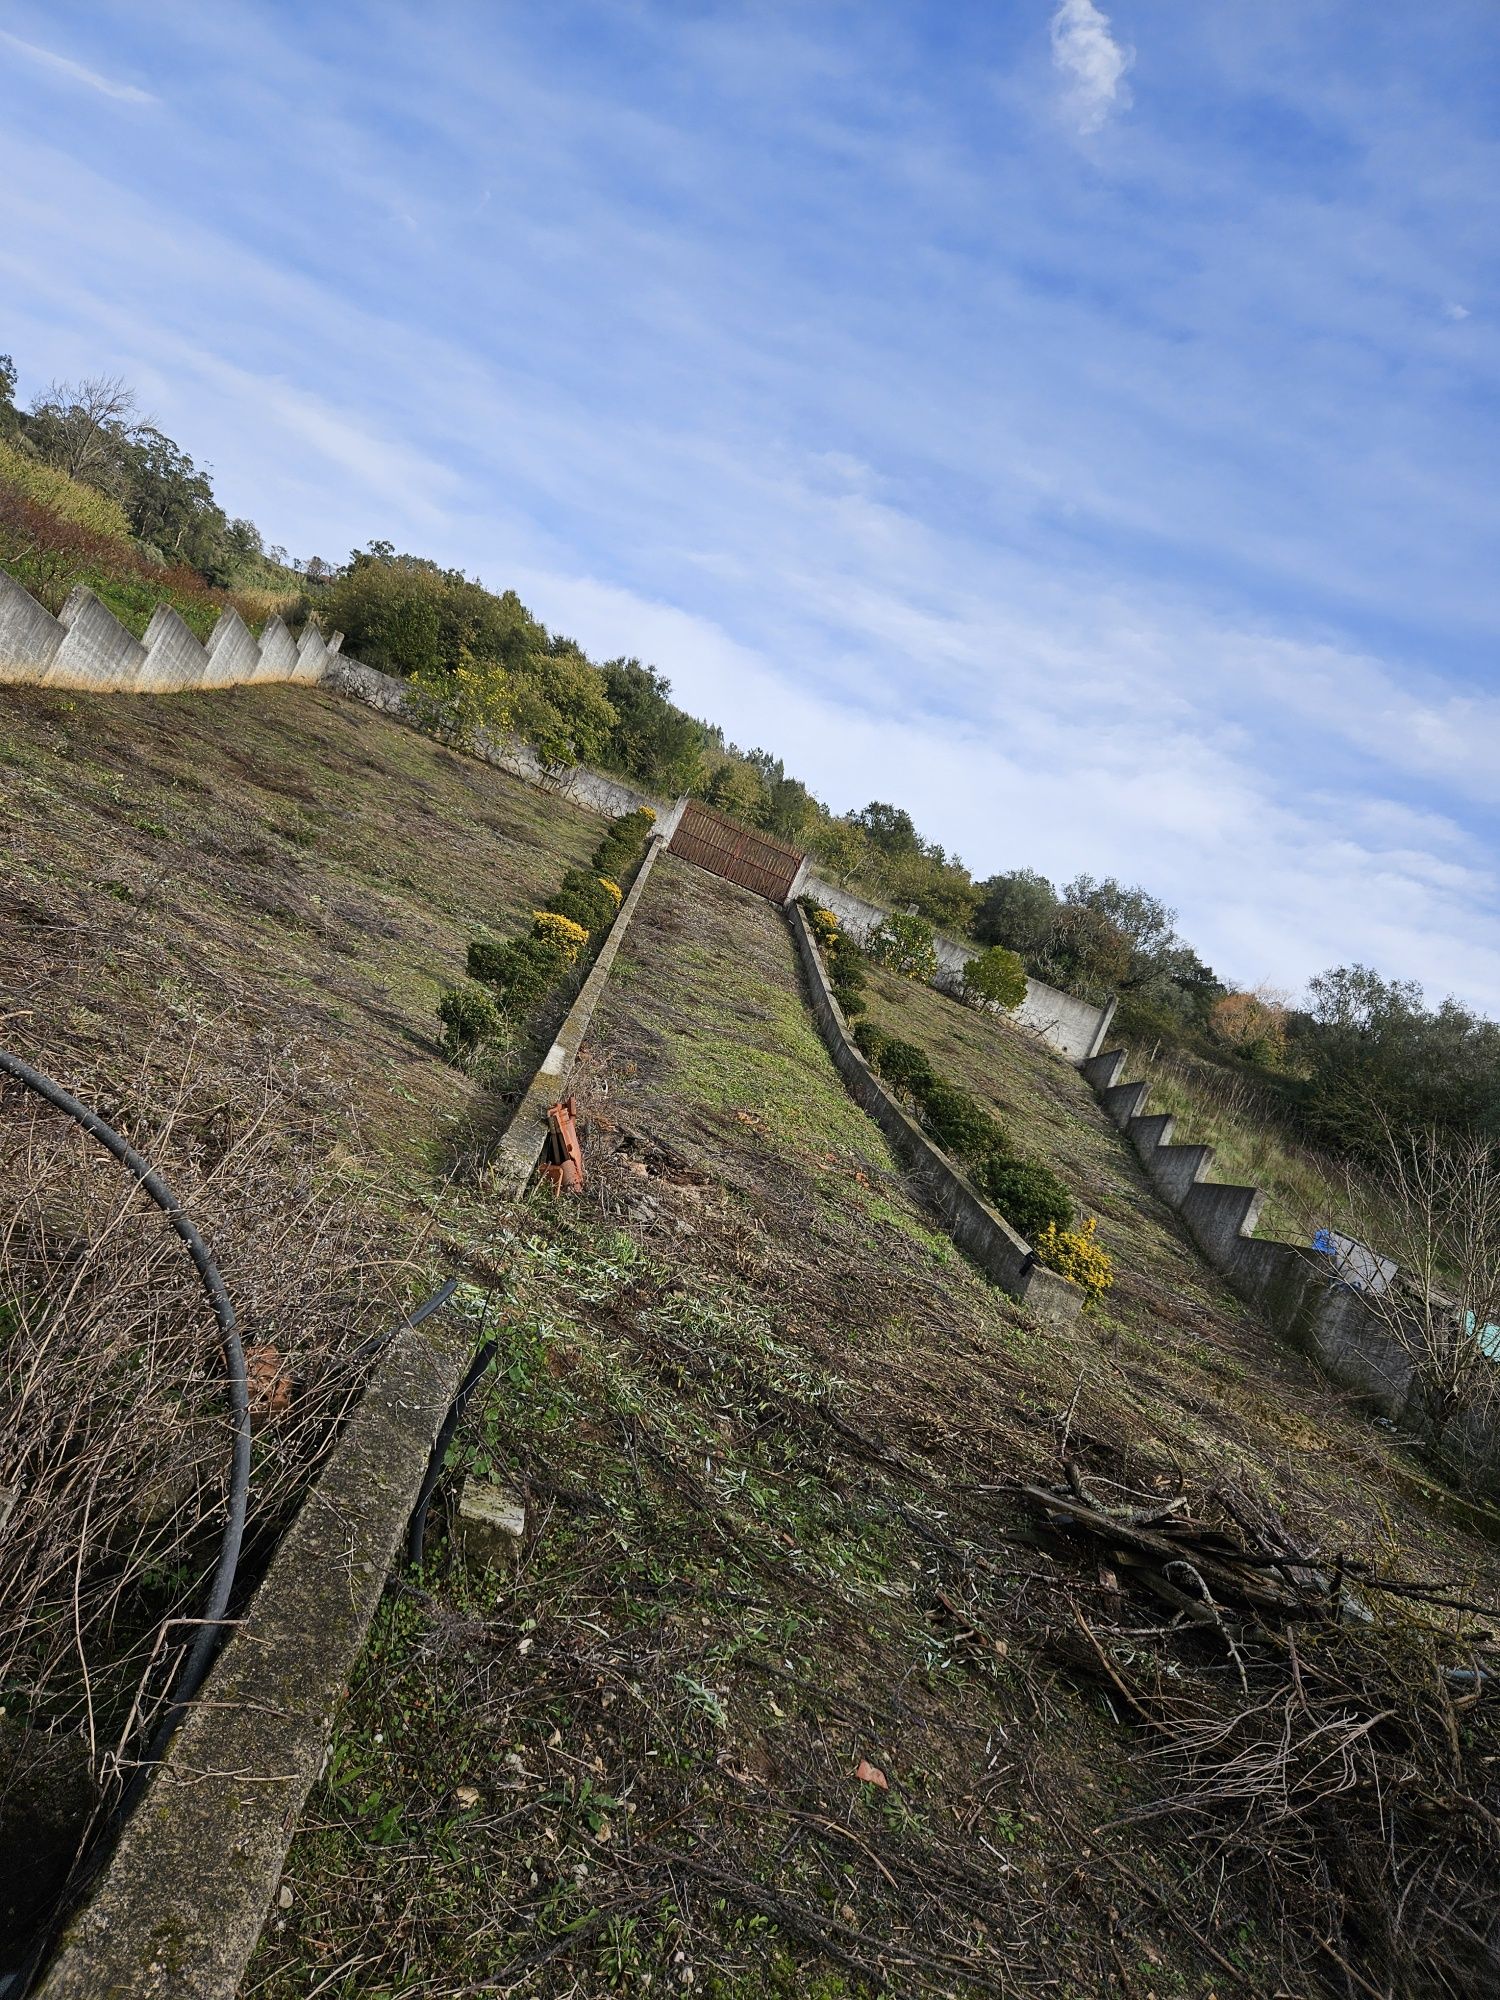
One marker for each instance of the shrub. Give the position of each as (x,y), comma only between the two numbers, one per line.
(1077,1255)
(552,927)
(905,944)
(1029,1195)
(470,1018)
(825,927)
(579,910)
(69,499)
(961,1124)
(869,1040)
(523,969)
(997,975)
(589,893)
(489,960)
(905,1066)
(612,889)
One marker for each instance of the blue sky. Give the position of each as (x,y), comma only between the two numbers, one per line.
(1078,425)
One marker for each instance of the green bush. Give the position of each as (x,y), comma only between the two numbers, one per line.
(961,1124)
(524,969)
(869,1040)
(997,975)
(1027,1194)
(470,1018)
(578,909)
(905,944)
(905,1066)
(589,893)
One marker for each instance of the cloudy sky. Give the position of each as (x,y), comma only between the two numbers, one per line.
(1077,425)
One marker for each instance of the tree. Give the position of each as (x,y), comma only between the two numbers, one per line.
(1252,1024)
(1017,910)
(904,944)
(736,787)
(652,740)
(82,428)
(888,828)
(1145,923)
(996,975)
(1377,1056)
(561,707)
(1087,954)
(171,504)
(10,416)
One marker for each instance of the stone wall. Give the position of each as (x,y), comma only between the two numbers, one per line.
(1074,1027)
(1299,1292)
(971,1222)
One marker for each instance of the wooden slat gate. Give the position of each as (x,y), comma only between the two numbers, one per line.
(740,854)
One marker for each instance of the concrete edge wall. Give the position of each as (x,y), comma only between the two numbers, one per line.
(87,647)
(974,1226)
(1290,1287)
(182,1900)
(1074,1027)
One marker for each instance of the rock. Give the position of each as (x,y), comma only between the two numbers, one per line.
(492,1524)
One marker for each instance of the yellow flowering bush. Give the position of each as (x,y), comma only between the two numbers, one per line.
(825,927)
(613,887)
(1078,1255)
(647,812)
(570,938)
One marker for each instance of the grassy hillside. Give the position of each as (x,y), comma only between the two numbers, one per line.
(56,532)
(1220,1106)
(226,921)
(780,1450)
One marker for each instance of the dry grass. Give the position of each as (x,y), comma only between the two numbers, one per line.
(228,922)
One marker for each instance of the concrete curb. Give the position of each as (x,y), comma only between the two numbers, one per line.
(974,1226)
(182,1900)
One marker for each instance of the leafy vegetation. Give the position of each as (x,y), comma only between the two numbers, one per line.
(522,971)
(997,975)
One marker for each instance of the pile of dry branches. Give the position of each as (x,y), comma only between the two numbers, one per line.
(1328,1730)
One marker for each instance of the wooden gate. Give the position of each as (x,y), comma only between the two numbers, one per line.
(738,853)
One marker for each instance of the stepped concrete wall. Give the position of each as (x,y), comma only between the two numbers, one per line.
(1314,1300)
(1074,1027)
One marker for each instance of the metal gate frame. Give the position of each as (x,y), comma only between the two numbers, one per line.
(739,853)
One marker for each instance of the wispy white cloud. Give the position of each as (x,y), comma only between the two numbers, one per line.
(1136,532)
(1093,63)
(76,72)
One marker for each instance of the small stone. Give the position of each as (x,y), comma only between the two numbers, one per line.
(284,1897)
(492,1523)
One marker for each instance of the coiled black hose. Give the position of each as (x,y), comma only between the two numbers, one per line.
(200,1657)
(195,1667)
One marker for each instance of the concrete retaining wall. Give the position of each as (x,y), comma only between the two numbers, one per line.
(87,647)
(974,1226)
(1074,1027)
(183,1898)
(1297,1291)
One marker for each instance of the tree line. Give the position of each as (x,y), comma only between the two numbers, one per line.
(1363,1049)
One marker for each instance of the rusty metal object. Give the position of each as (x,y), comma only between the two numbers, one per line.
(562,1169)
(738,853)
